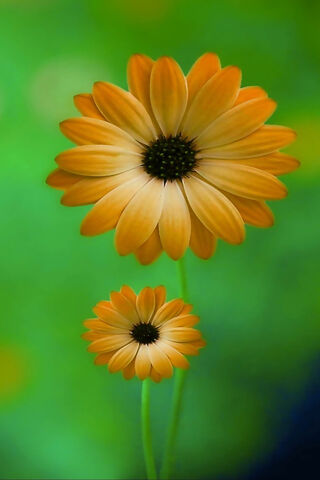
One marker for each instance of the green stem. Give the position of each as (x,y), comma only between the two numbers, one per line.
(179,381)
(146,431)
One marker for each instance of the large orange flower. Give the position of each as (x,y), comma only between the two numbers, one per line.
(143,334)
(177,161)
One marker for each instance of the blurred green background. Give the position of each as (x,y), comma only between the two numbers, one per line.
(62,417)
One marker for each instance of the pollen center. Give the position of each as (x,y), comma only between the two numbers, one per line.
(145,333)
(170,158)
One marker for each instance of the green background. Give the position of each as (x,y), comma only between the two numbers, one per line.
(62,417)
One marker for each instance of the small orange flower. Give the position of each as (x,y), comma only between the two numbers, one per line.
(177,161)
(143,334)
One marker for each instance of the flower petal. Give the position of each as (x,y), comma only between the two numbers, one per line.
(146,304)
(85,104)
(249,93)
(124,110)
(276,163)
(262,142)
(202,241)
(160,297)
(175,357)
(140,217)
(97,160)
(180,321)
(181,334)
(142,363)
(236,123)
(129,293)
(156,377)
(168,310)
(125,307)
(62,180)
(109,343)
(214,98)
(90,190)
(160,361)
(111,316)
(103,358)
(139,73)
(186,348)
(123,357)
(252,212)
(150,250)
(85,130)
(214,210)
(248,182)
(168,91)
(129,371)
(201,71)
(174,224)
(100,326)
(106,212)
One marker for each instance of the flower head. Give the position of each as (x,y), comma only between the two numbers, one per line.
(143,334)
(176,161)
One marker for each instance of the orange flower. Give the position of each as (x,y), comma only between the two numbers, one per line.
(177,161)
(143,334)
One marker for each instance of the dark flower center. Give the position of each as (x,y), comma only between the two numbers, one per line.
(170,158)
(145,333)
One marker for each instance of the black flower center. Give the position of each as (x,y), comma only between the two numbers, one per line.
(145,333)
(170,158)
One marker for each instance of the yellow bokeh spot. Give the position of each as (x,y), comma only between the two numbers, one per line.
(13,372)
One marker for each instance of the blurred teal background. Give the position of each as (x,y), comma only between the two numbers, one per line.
(62,417)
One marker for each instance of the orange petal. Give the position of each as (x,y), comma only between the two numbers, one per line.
(160,296)
(139,73)
(184,347)
(262,142)
(276,163)
(85,104)
(214,98)
(252,212)
(129,293)
(109,343)
(101,326)
(150,250)
(142,363)
(181,334)
(90,190)
(180,321)
(62,180)
(236,123)
(124,306)
(168,310)
(124,110)
(201,71)
(123,357)
(214,210)
(140,217)
(146,304)
(129,371)
(97,160)
(111,316)
(202,241)
(249,93)
(85,130)
(241,180)
(106,212)
(103,358)
(168,90)
(175,357)
(156,377)
(160,361)
(174,224)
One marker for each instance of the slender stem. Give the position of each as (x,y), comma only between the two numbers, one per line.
(146,431)
(179,381)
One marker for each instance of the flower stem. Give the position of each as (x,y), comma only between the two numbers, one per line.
(179,381)
(146,431)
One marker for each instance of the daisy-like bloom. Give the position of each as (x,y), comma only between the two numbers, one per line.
(176,161)
(143,334)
